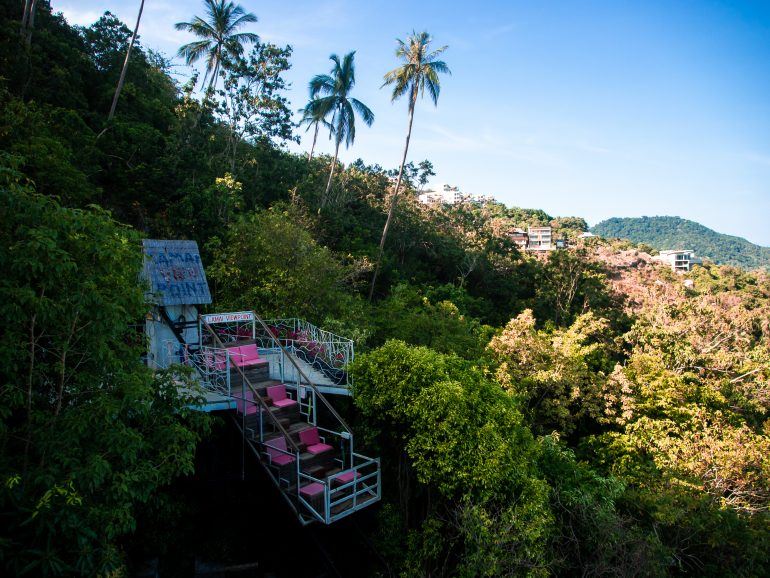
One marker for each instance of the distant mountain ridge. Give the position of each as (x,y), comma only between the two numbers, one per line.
(677,233)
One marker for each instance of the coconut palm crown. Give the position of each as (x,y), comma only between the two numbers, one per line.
(419,71)
(330,97)
(218,35)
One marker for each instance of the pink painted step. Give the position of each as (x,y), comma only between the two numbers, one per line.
(346,477)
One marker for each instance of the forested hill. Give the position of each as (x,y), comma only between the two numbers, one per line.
(677,233)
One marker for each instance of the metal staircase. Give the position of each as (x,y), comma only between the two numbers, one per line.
(251,369)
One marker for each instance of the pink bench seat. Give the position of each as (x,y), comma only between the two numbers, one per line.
(313,442)
(312,489)
(244,355)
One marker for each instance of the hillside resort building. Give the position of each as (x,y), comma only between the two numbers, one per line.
(536,239)
(449,195)
(681,260)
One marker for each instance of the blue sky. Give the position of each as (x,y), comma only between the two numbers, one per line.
(591,108)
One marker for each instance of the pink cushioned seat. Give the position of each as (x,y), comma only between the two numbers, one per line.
(275,449)
(312,489)
(278,394)
(245,355)
(312,440)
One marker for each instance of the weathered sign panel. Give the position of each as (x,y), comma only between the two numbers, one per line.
(175,273)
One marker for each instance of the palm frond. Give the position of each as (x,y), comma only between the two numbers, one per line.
(346,124)
(364,111)
(321,84)
(432,56)
(441,67)
(321,107)
(245,19)
(193,51)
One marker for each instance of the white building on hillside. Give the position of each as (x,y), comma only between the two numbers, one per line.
(449,195)
(540,238)
(679,260)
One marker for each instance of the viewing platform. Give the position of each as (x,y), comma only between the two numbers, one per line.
(264,375)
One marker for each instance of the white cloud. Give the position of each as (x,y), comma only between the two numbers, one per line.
(78,16)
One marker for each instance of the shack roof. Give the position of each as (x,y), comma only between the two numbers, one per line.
(174,272)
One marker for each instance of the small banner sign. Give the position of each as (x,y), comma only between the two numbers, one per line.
(214,318)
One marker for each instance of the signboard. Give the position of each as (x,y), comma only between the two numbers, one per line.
(175,273)
(228,317)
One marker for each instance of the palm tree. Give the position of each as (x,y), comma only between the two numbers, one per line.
(125,65)
(339,105)
(309,118)
(419,70)
(218,37)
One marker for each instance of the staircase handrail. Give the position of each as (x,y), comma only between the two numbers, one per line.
(290,357)
(253,389)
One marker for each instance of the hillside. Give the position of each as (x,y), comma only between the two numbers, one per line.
(677,233)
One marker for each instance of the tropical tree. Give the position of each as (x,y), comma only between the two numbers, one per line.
(89,435)
(329,95)
(419,70)
(310,118)
(218,37)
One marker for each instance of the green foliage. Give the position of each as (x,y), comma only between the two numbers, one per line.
(558,376)
(528,217)
(677,233)
(570,283)
(569,227)
(267,261)
(444,426)
(218,40)
(410,316)
(252,102)
(591,535)
(88,434)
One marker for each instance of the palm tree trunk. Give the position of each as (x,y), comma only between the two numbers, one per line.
(312,148)
(29,22)
(125,65)
(394,198)
(25,16)
(213,81)
(331,174)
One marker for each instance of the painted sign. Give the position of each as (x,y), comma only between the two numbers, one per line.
(228,317)
(175,273)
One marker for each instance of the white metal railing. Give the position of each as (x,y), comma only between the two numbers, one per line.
(323,350)
(339,498)
(211,363)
